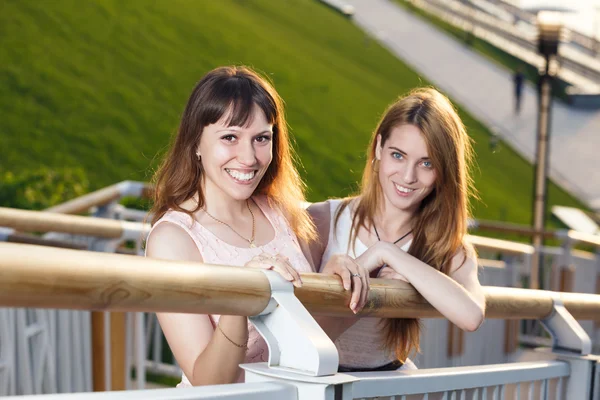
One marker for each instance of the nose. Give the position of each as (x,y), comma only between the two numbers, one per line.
(410,174)
(246,153)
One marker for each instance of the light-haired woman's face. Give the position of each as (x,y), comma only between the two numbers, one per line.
(236,158)
(406,173)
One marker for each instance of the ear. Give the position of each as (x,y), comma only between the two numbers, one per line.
(378,148)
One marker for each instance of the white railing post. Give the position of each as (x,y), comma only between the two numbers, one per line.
(571,343)
(296,341)
(300,352)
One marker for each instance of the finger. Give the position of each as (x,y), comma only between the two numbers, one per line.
(284,262)
(368,288)
(354,300)
(346,279)
(258,264)
(365,288)
(295,273)
(287,272)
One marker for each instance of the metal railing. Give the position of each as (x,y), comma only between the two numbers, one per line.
(515,260)
(36,276)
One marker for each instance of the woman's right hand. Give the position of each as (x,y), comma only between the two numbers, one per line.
(278,263)
(354,277)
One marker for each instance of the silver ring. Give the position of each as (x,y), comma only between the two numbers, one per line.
(356,275)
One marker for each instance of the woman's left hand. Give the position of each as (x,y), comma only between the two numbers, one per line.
(354,277)
(381,254)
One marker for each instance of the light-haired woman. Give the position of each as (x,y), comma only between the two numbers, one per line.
(408,222)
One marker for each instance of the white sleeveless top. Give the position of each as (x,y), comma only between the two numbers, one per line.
(361,346)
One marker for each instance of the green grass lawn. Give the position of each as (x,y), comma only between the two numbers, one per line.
(98,86)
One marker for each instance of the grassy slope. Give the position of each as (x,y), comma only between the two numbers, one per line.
(100,84)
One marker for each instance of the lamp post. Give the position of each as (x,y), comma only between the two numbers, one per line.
(549,26)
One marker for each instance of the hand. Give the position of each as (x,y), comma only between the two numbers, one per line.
(278,263)
(382,254)
(389,273)
(353,276)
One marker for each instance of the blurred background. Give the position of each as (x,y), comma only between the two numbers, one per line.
(91,93)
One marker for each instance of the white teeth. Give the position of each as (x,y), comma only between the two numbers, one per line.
(240,176)
(403,189)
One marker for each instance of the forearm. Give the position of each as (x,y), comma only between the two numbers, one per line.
(220,360)
(455,303)
(444,293)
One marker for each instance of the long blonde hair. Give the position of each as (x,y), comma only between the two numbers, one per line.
(234,90)
(440,224)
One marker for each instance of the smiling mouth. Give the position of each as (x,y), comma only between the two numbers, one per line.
(403,189)
(241,176)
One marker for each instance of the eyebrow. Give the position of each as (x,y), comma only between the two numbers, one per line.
(236,129)
(404,153)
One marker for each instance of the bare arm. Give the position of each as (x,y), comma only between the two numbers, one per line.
(459,297)
(320,214)
(204,354)
(340,265)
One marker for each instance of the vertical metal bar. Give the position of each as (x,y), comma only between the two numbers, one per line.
(485,392)
(129,348)
(140,346)
(541,173)
(518,391)
(559,388)
(107,352)
(501,392)
(544,390)
(86,328)
(531,390)
(496,393)
(463,394)
(157,340)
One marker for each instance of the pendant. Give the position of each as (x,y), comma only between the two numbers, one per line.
(252,245)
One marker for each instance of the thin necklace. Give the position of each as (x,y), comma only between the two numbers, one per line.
(251,240)
(401,237)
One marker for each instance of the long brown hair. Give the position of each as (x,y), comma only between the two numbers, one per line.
(234,91)
(440,224)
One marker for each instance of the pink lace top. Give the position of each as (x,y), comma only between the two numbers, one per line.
(216,251)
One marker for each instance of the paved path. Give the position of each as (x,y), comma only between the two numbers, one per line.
(485,90)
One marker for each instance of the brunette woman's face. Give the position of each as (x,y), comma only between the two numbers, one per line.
(406,173)
(235,158)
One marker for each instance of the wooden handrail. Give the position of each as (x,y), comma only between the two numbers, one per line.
(43,221)
(36,276)
(33,239)
(505,246)
(98,198)
(508,227)
(586,238)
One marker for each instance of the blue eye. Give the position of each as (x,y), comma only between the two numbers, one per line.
(427,164)
(397,155)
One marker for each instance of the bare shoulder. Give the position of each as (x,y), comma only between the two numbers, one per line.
(169,241)
(464,261)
